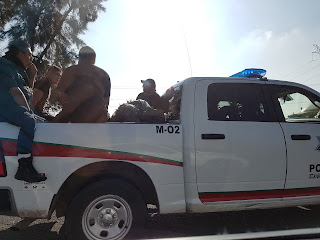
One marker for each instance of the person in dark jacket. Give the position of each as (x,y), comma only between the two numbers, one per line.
(149,93)
(17,74)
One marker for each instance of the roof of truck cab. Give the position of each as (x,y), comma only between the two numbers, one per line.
(193,80)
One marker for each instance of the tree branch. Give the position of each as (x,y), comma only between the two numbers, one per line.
(55,33)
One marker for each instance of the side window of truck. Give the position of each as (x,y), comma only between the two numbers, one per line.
(296,104)
(237,102)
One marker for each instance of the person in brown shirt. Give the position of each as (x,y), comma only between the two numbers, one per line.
(43,88)
(84,91)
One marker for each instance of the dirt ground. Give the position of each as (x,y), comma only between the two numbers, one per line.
(182,225)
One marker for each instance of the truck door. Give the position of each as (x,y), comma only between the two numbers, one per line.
(240,148)
(299,112)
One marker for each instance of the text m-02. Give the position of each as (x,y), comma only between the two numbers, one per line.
(168,129)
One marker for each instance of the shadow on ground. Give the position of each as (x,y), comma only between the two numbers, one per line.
(35,232)
(231,222)
(192,224)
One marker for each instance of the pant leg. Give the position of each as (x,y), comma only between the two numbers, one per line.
(24,119)
(26,134)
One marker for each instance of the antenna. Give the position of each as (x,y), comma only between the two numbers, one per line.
(317,51)
(187,48)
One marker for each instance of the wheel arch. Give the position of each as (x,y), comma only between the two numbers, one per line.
(97,171)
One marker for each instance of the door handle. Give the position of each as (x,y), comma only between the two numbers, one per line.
(212,136)
(300,137)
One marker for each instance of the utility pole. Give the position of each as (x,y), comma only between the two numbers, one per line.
(317,50)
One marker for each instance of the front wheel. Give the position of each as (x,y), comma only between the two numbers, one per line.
(107,210)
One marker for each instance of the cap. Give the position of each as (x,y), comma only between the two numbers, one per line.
(150,81)
(20,44)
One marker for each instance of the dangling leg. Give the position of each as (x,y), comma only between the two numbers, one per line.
(25,120)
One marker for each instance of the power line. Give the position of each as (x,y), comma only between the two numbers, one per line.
(311,78)
(297,69)
(315,84)
(125,87)
(317,51)
(304,72)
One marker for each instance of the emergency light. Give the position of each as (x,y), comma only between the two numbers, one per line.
(251,73)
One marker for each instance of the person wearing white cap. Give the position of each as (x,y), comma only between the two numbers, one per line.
(149,93)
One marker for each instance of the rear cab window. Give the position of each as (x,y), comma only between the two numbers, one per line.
(237,102)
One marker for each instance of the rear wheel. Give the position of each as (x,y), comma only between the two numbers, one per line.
(108,209)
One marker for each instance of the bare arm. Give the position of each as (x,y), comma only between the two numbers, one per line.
(32,73)
(19,98)
(37,101)
(67,79)
(58,96)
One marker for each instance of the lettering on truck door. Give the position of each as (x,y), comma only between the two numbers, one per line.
(240,149)
(298,111)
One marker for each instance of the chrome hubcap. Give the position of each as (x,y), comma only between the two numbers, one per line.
(107,217)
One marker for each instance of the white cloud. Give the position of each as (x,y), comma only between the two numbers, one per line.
(277,52)
(148,38)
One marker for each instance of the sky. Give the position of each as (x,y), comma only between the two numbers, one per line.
(170,40)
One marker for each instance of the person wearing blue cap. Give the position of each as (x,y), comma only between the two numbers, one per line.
(17,74)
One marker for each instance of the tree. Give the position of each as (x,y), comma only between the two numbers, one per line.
(52,27)
(7,10)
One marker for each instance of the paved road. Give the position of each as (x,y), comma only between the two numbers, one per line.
(184,225)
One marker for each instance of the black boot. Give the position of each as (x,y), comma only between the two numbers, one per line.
(26,172)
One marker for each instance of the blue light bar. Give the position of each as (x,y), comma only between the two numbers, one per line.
(251,73)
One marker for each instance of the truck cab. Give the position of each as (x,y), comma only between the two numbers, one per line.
(255,144)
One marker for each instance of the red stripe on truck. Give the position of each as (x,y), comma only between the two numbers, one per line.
(234,196)
(59,150)
(263,194)
(2,170)
(9,147)
(298,192)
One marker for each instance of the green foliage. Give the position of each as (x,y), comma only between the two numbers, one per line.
(52,27)
(7,8)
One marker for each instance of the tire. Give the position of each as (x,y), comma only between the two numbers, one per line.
(105,210)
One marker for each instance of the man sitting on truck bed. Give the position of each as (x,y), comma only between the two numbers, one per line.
(84,90)
(44,87)
(149,93)
(15,89)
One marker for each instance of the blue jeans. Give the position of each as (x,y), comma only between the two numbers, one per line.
(24,119)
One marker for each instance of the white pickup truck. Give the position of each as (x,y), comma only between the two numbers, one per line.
(229,144)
